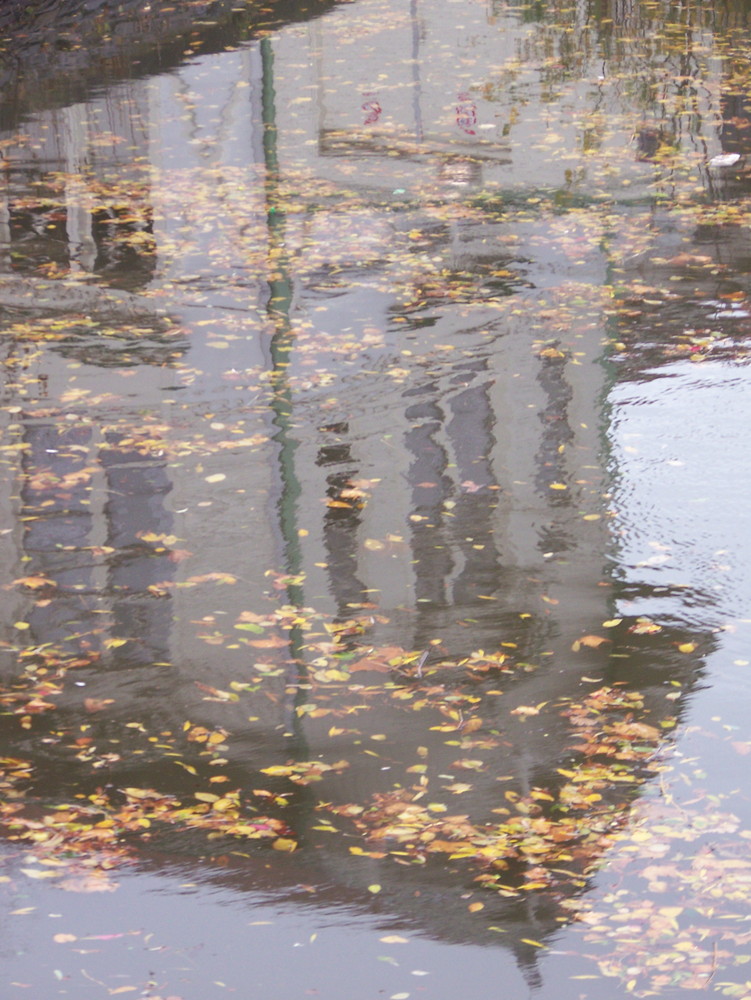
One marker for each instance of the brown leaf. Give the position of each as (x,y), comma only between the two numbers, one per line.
(97,704)
(380,660)
(275,642)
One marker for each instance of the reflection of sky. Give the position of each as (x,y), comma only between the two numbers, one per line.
(166,931)
(683,492)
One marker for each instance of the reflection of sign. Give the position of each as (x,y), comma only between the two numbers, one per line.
(371,107)
(466,114)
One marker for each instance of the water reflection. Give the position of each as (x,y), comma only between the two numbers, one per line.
(354,325)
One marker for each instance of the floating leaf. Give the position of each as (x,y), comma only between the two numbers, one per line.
(97,704)
(593,641)
(284,844)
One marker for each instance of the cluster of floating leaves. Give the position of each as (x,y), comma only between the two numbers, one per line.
(551,839)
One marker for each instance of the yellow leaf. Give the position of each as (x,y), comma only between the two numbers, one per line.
(474,907)
(64,938)
(687,647)
(37,873)
(284,844)
(217,477)
(394,939)
(374,888)
(140,793)
(206,796)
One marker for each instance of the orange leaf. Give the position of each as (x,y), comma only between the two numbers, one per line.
(34,582)
(593,641)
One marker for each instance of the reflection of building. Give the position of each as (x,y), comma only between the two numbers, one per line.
(416,370)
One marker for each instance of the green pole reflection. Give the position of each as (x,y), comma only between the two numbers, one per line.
(282,339)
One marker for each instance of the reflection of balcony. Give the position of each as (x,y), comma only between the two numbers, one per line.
(449,152)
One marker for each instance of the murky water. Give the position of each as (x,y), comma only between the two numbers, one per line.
(376,489)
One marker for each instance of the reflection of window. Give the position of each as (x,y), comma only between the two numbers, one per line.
(460,173)
(98,530)
(47,237)
(735,134)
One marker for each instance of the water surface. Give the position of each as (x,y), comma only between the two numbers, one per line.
(375,482)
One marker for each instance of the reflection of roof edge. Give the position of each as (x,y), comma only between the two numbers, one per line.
(66,74)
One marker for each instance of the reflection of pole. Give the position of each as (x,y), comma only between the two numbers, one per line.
(278,308)
(416,87)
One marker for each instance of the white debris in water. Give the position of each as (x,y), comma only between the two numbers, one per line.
(724,160)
